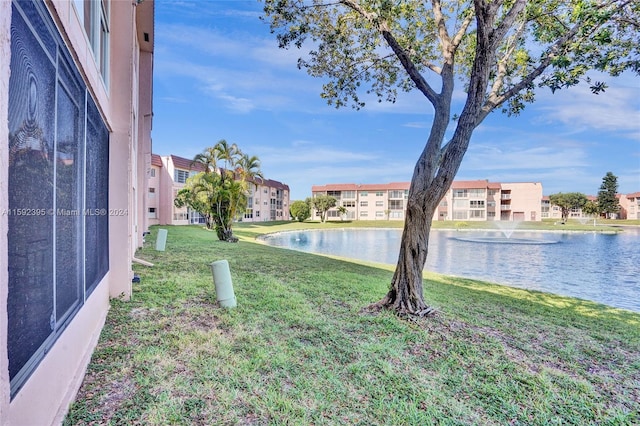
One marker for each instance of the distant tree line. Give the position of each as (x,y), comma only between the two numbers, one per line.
(606,204)
(320,204)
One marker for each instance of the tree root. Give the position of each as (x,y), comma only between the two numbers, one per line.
(402,312)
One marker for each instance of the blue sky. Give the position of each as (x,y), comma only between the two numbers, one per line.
(219,74)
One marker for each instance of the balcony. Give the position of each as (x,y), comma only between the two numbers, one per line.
(505,196)
(505,207)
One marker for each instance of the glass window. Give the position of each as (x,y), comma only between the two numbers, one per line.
(58,229)
(460,215)
(460,204)
(180,176)
(95,16)
(395,205)
(153,172)
(379,194)
(364,203)
(379,203)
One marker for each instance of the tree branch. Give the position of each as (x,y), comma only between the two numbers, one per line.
(507,22)
(443,34)
(496,100)
(400,52)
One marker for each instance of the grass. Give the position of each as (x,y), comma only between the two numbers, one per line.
(297,350)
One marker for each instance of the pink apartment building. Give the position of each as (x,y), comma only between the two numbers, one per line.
(629,208)
(466,200)
(268,200)
(76,112)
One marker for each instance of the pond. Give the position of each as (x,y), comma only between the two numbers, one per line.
(594,266)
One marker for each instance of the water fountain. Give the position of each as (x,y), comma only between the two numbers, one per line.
(507,228)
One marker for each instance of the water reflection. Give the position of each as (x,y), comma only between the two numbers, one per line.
(593,266)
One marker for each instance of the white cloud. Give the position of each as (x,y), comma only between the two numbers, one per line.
(514,157)
(617,109)
(418,124)
(311,154)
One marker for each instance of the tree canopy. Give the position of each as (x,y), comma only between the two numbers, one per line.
(321,204)
(300,210)
(501,50)
(220,192)
(608,202)
(568,201)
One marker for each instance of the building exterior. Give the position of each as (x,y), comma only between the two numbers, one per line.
(476,200)
(75,150)
(630,206)
(268,200)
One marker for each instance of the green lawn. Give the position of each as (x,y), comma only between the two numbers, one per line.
(297,350)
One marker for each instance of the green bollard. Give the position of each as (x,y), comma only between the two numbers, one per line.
(224,287)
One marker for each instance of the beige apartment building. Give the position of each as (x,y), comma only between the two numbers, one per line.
(629,208)
(268,200)
(476,200)
(75,125)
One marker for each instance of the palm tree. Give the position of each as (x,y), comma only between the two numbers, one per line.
(208,159)
(228,153)
(217,187)
(248,169)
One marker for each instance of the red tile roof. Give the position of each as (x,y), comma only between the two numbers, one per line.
(361,187)
(156,160)
(473,184)
(270,183)
(186,164)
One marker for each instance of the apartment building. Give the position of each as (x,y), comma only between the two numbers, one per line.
(477,200)
(167,176)
(629,208)
(76,132)
(268,200)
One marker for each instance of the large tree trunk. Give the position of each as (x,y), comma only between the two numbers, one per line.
(437,167)
(405,294)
